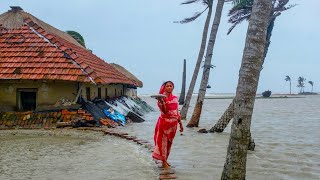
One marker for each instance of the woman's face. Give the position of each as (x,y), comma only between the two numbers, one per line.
(169,87)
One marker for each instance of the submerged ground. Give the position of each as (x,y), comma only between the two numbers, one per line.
(286,132)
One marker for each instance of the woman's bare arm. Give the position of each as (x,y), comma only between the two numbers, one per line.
(162,106)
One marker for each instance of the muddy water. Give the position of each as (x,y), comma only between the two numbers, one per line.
(286,132)
(71,155)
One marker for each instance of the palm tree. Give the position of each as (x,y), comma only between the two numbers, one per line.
(311,83)
(242,11)
(194,122)
(301,83)
(208,3)
(77,36)
(288,79)
(252,60)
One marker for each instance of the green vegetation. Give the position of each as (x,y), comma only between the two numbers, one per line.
(77,36)
(288,79)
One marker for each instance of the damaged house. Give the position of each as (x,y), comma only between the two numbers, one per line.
(40,65)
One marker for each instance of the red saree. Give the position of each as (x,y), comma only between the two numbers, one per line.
(166,127)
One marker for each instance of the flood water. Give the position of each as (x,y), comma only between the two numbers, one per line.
(71,155)
(286,133)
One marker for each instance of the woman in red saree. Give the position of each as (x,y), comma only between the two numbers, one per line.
(166,127)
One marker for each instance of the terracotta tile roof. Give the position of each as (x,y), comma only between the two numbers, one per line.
(31,52)
(128,74)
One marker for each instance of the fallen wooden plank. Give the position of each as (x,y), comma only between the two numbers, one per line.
(170,176)
(169,171)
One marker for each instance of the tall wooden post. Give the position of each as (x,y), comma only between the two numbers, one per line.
(183,89)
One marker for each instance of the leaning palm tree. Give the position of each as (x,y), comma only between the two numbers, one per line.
(252,60)
(208,4)
(301,83)
(311,83)
(77,36)
(240,12)
(194,122)
(288,79)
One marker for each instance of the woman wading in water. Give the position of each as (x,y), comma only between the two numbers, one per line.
(166,127)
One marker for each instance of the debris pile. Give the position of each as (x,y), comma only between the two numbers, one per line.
(110,113)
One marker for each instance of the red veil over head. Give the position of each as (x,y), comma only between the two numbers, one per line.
(163,86)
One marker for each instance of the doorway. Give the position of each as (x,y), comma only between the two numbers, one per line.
(27,99)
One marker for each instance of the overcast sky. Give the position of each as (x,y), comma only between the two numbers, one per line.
(140,35)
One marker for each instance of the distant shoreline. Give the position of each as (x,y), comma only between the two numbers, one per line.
(259,97)
(233,94)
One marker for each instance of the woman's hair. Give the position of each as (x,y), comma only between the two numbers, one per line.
(165,83)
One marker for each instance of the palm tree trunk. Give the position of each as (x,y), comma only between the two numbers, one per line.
(228,113)
(290,86)
(185,107)
(183,89)
(194,122)
(252,61)
(224,120)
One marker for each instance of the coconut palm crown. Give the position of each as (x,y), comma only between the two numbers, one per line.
(301,83)
(311,83)
(242,10)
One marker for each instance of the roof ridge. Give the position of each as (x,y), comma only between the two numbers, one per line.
(70,56)
(15,19)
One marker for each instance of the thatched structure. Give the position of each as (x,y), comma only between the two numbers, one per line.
(127,74)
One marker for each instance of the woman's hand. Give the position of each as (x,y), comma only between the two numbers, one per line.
(181,126)
(162,103)
(161,100)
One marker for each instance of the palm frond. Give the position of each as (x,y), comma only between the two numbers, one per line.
(190,1)
(242,9)
(238,21)
(238,1)
(244,6)
(238,14)
(205,2)
(287,78)
(242,3)
(282,2)
(190,19)
(283,8)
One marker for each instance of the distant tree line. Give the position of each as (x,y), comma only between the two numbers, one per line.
(301,83)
